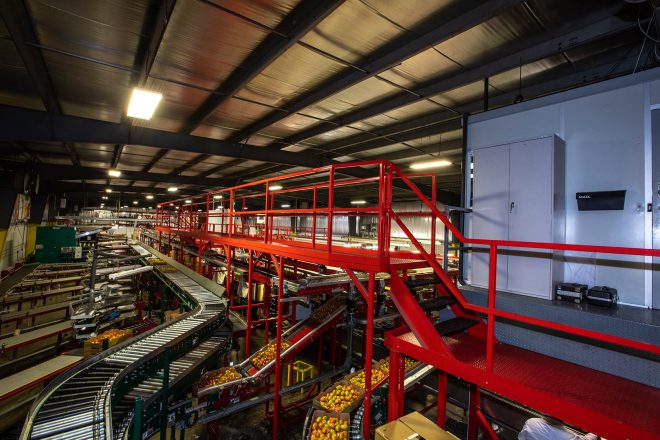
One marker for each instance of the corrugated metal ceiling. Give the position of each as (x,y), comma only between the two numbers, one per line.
(92,51)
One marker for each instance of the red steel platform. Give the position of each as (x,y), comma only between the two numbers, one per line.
(586,397)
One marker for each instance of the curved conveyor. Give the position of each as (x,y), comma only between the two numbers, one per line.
(79,404)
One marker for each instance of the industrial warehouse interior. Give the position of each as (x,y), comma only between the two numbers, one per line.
(337,219)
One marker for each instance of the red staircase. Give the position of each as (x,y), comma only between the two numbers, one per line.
(607,405)
(464,346)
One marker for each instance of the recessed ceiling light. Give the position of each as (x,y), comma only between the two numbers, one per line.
(114,173)
(172,189)
(275,187)
(188,201)
(135,202)
(149,197)
(217,197)
(143,103)
(105,197)
(108,190)
(358,202)
(431,164)
(286,205)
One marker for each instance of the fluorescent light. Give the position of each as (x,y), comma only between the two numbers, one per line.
(143,103)
(114,173)
(275,188)
(199,210)
(108,190)
(102,205)
(172,189)
(188,201)
(217,197)
(431,164)
(105,197)
(125,206)
(135,202)
(245,208)
(176,207)
(149,197)
(358,202)
(286,205)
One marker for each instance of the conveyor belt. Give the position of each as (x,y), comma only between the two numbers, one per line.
(79,404)
(300,336)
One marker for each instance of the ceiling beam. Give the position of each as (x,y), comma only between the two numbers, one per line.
(19,124)
(433,31)
(521,52)
(67,172)
(155,23)
(19,24)
(304,17)
(71,187)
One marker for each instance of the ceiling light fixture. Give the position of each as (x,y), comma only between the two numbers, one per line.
(431,164)
(188,202)
(172,189)
(143,103)
(135,202)
(286,205)
(149,197)
(358,202)
(217,197)
(275,188)
(105,197)
(114,173)
(108,190)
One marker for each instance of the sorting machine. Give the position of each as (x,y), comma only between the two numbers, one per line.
(100,397)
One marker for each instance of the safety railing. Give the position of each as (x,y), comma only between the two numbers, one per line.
(309,203)
(491,311)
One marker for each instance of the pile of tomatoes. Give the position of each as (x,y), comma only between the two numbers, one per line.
(339,398)
(329,428)
(376,376)
(267,354)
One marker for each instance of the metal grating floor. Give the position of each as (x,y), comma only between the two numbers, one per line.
(629,403)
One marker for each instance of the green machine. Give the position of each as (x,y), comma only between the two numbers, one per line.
(55,244)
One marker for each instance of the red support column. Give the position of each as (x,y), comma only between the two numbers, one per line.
(314,219)
(331,199)
(393,389)
(230,294)
(366,423)
(248,330)
(441,418)
(434,220)
(492,286)
(278,348)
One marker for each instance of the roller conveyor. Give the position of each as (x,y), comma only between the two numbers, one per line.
(80,403)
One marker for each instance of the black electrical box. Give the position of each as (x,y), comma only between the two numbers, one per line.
(601,200)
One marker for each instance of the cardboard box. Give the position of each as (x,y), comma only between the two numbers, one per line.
(410,427)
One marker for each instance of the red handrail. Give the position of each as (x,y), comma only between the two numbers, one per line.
(385,176)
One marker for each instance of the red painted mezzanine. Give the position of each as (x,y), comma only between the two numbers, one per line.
(251,217)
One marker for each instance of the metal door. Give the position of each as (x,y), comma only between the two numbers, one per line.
(655,139)
(490,215)
(530,216)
